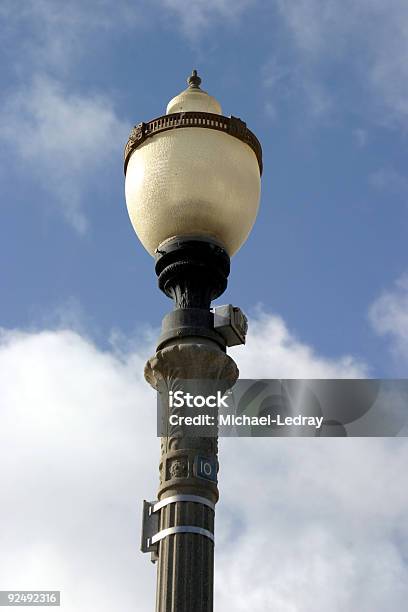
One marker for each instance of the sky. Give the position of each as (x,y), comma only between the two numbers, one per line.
(323,278)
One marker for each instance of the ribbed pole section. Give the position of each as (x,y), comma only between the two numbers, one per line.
(185,572)
(188,466)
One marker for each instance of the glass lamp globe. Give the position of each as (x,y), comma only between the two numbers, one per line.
(193,172)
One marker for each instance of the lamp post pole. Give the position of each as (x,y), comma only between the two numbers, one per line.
(192,196)
(190,350)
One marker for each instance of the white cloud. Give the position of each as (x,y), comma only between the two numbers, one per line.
(390,181)
(301,525)
(311,525)
(285,81)
(272,351)
(314,22)
(65,138)
(77,454)
(389,317)
(59,32)
(196,16)
(56,34)
(364,41)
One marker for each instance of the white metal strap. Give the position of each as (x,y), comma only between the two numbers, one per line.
(182,529)
(182,498)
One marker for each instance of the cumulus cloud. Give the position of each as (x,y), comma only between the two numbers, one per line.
(273,351)
(77,455)
(302,524)
(65,138)
(389,317)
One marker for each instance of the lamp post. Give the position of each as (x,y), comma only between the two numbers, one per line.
(192,192)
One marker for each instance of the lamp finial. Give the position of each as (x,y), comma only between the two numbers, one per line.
(194,80)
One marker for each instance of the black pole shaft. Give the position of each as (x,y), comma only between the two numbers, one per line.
(188,466)
(192,273)
(185,572)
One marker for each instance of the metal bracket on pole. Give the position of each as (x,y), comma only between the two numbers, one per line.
(151,535)
(150,526)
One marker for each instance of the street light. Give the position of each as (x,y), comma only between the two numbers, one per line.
(192,192)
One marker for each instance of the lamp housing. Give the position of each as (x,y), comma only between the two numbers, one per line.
(194,172)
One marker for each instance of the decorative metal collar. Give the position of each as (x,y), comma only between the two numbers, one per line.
(230,125)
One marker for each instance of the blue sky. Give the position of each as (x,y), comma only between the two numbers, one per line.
(323,276)
(322,85)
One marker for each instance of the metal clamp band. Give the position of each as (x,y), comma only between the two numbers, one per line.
(182,498)
(151,519)
(181,529)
